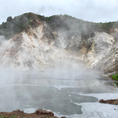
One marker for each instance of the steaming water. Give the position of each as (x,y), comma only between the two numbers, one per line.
(58,89)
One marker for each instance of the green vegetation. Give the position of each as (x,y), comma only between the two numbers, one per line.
(12,116)
(115,78)
(63,22)
(106,27)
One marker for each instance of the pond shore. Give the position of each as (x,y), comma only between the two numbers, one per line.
(20,114)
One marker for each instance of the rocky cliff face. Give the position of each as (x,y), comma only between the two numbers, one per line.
(33,41)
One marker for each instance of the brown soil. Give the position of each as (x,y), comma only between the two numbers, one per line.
(20,114)
(112,101)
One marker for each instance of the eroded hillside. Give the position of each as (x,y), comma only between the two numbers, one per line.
(34,41)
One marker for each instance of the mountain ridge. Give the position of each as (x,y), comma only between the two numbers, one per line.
(26,20)
(36,41)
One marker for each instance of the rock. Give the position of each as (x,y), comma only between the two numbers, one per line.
(43,112)
(63,117)
(112,101)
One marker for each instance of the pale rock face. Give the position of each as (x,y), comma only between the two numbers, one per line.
(101,46)
(41,47)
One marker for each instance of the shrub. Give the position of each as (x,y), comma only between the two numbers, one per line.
(9,19)
(115,77)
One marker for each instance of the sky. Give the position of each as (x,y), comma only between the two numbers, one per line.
(90,10)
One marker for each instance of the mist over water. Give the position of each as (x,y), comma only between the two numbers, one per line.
(55,88)
(59,75)
(47,62)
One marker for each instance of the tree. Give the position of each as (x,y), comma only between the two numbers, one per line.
(9,19)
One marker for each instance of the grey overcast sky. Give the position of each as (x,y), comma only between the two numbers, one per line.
(90,10)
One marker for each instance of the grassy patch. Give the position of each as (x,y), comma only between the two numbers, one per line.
(115,78)
(12,116)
